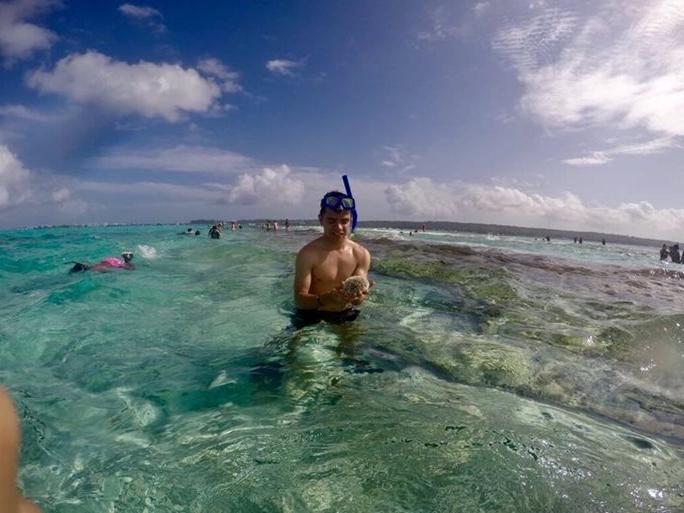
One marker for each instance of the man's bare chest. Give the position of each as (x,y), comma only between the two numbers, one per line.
(334,267)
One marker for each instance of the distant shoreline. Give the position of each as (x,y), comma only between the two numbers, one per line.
(448,226)
(481,228)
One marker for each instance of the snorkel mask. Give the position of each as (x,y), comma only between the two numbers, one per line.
(338,201)
(127,255)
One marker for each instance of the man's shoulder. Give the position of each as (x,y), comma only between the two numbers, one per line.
(358,248)
(310,249)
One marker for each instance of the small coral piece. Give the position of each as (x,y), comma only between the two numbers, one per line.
(355,285)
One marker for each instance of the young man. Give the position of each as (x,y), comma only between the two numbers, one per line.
(324,263)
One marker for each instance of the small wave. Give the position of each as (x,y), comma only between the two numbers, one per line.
(147,252)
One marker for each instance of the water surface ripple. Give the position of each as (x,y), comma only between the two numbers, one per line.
(486,374)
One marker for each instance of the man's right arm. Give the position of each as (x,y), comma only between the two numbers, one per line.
(302,283)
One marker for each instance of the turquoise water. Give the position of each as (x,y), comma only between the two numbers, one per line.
(485,375)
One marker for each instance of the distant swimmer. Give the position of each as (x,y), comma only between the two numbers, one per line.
(674,254)
(189,231)
(11,501)
(287,225)
(215,232)
(324,264)
(108,264)
(664,252)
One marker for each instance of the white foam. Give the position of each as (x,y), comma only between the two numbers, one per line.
(147,252)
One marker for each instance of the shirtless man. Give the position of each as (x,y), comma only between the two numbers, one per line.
(324,263)
(11,500)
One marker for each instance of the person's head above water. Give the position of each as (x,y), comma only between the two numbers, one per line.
(337,202)
(335,215)
(127,256)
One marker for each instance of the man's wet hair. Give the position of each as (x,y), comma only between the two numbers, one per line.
(329,193)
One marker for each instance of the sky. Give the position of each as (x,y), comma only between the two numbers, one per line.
(544,113)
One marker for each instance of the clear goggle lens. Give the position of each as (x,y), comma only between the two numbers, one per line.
(335,202)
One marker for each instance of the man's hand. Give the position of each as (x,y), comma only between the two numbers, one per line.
(357,299)
(335,298)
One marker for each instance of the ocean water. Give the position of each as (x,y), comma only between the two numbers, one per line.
(485,374)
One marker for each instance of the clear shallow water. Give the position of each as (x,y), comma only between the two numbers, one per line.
(484,375)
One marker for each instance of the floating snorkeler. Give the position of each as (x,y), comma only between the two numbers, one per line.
(325,263)
(108,264)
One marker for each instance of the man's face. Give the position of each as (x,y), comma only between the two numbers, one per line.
(335,224)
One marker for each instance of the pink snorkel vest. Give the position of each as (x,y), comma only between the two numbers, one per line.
(113,262)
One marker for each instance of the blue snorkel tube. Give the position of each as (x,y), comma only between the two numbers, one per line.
(355,216)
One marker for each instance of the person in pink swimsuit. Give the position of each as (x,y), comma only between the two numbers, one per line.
(108,264)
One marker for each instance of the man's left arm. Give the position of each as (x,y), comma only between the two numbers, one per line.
(363,262)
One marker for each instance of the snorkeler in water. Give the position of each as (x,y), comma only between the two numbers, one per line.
(108,264)
(674,254)
(215,232)
(326,262)
(664,252)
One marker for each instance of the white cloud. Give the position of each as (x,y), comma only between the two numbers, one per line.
(422,198)
(271,186)
(61,195)
(156,191)
(597,158)
(619,67)
(228,77)
(481,8)
(150,90)
(396,158)
(284,67)
(445,22)
(21,185)
(152,17)
(141,12)
(14,179)
(181,158)
(22,112)
(20,39)
(530,44)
